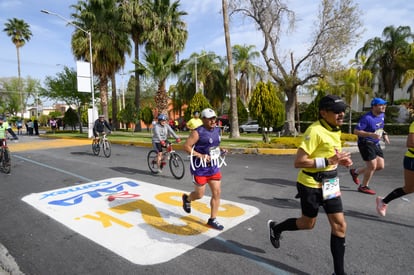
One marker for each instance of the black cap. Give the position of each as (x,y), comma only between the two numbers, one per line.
(332,103)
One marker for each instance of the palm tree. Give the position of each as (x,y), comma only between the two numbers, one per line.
(19,32)
(354,83)
(383,55)
(243,57)
(159,66)
(407,62)
(135,15)
(211,79)
(166,35)
(109,38)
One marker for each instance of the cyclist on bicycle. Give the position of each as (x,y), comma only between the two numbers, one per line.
(99,126)
(159,138)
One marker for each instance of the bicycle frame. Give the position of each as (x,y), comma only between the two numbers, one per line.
(169,156)
(101,142)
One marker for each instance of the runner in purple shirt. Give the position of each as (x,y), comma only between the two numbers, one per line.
(370,130)
(205,158)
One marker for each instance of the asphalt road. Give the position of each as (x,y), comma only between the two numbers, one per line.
(39,244)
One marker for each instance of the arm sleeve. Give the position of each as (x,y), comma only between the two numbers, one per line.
(108,126)
(156,136)
(171,131)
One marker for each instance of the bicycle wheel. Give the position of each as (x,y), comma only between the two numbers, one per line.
(176,165)
(5,162)
(106,146)
(152,161)
(95,147)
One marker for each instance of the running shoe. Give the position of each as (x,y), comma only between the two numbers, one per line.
(381,207)
(274,236)
(354,176)
(186,204)
(213,223)
(366,190)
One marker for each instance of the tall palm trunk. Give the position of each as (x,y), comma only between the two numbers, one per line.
(20,82)
(137,86)
(103,87)
(233,93)
(114,103)
(161,99)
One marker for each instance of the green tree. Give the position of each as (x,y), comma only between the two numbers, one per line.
(71,118)
(242,113)
(147,117)
(266,107)
(159,66)
(207,69)
(109,39)
(244,57)
(19,32)
(312,111)
(197,103)
(166,35)
(383,55)
(135,14)
(407,62)
(10,96)
(63,87)
(336,29)
(354,83)
(128,115)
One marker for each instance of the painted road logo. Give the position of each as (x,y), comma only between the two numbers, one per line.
(138,218)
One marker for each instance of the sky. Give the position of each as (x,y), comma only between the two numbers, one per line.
(49,48)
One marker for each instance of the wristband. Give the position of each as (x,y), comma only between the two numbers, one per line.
(320,162)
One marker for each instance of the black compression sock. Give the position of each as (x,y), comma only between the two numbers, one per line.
(338,253)
(287,225)
(398,192)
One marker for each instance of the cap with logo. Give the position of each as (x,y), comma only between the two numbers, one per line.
(332,103)
(208,113)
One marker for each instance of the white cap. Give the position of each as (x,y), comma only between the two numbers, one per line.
(208,113)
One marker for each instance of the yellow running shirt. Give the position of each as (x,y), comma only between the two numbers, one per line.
(319,141)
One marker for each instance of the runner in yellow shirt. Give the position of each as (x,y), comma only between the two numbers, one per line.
(318,157)
(195,122)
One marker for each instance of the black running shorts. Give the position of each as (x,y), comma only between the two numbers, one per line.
(311,199)
(370,151)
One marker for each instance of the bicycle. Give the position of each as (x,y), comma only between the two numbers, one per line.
(175,161)
(104,143)
(5,162)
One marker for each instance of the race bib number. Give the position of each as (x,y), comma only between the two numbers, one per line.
(330,188)
(379,132)
(214,153)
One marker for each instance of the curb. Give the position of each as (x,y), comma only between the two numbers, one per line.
(351,147)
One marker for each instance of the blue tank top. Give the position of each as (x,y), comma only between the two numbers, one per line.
(207,142)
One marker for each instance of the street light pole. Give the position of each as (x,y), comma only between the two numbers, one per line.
(90,54)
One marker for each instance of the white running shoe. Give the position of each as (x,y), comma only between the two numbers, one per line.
(381,207)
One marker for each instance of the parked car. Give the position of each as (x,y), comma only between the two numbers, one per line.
(252,127)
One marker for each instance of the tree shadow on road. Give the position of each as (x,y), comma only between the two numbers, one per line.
(230,246)
(130,171)
(273,181)
(364,216)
